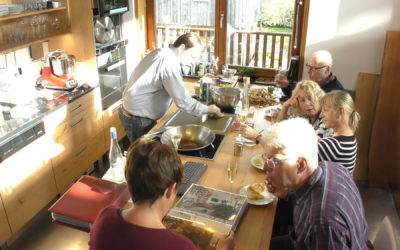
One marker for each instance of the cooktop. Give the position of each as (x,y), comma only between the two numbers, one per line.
(208,152)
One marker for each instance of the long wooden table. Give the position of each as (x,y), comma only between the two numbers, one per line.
(255,228)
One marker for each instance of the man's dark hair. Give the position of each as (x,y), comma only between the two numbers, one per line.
(151,167)
(189,39)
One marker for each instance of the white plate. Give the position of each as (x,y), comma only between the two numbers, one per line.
(258,161)
(268,197)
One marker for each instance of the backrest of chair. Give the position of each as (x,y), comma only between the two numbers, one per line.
(385,238)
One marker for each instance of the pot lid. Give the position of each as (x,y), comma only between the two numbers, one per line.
(104,29)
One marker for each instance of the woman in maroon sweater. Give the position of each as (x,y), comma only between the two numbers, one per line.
(153,171)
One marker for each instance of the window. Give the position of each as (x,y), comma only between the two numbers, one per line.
(263,34)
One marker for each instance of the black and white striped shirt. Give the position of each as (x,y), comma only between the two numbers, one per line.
(340,149)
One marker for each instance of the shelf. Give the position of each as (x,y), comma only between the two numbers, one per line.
(5,48)
(31,13)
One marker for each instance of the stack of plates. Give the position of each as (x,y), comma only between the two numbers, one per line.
(15,8)
(4,10)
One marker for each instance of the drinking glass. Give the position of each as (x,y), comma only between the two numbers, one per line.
(232,169)
(242,115)
(176,140)
(281,74)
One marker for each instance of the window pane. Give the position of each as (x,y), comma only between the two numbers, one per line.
(259,33)
(176,17)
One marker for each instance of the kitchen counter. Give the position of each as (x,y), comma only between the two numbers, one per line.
(20,118)
(255,229)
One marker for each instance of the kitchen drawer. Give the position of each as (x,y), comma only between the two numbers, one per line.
(4,226)
(66,171)
(90,100)
(79,127)
(111,119)
(64,114)
(27,183)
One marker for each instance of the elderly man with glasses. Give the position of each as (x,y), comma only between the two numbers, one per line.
(327,209)
(319,69)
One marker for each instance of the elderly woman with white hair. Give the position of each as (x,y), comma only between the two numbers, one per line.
(327,208)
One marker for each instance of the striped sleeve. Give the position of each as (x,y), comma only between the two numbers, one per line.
(341,149)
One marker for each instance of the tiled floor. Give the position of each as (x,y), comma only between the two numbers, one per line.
(41,234)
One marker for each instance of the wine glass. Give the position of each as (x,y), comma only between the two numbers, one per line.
(242,115)
(176,140)
(232,168)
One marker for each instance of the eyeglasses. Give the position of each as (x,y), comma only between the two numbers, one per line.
(314,68)
(271,164)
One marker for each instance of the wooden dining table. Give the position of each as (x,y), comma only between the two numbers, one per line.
(255,228)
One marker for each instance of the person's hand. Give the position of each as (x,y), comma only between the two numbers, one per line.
(213,109)
(278,192)
(281,81)
(248,132)
(226,242)
(292,102)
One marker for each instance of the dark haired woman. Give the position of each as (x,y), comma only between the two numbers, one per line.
(153,172)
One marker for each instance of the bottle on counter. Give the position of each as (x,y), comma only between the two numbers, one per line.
(117,160)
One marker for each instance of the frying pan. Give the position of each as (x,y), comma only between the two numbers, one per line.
(193,137)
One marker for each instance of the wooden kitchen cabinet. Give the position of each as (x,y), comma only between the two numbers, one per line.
(77,136)
(111,119)
(27,183)
(4,226)
(77,162)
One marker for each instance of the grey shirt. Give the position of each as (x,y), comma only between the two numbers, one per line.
(154,83)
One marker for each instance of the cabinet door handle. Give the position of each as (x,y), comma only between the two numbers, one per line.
(81,151)
(76,107)
(115,65)
(77,122)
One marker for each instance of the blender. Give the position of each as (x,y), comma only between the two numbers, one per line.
(58,71)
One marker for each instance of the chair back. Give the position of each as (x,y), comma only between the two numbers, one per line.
(385,238)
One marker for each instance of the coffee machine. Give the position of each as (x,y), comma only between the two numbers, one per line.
(58,71)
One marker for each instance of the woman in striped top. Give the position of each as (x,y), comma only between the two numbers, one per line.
(339,114)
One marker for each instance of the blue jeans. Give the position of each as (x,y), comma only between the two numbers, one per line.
(135,126)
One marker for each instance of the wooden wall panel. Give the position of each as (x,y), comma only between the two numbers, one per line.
(385,145)
(366,97)
(5,231)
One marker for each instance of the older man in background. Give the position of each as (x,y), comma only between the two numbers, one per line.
(327,207)
(319,69)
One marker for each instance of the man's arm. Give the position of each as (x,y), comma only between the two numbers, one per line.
(328,236)
(173,84)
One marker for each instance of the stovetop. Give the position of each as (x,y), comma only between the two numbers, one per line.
(208,152)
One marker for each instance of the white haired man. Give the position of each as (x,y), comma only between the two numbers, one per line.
(319,69)
(327,207)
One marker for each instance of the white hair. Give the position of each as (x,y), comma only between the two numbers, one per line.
(324,57)
(296,137)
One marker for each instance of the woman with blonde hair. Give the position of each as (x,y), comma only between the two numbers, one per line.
(338,113)
(304,103)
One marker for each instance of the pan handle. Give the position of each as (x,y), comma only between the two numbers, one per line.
(162,130)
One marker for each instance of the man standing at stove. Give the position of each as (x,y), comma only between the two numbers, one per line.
(156,82)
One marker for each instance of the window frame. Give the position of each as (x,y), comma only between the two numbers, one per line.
(298,35)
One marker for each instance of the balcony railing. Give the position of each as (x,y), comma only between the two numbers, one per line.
(244,48)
